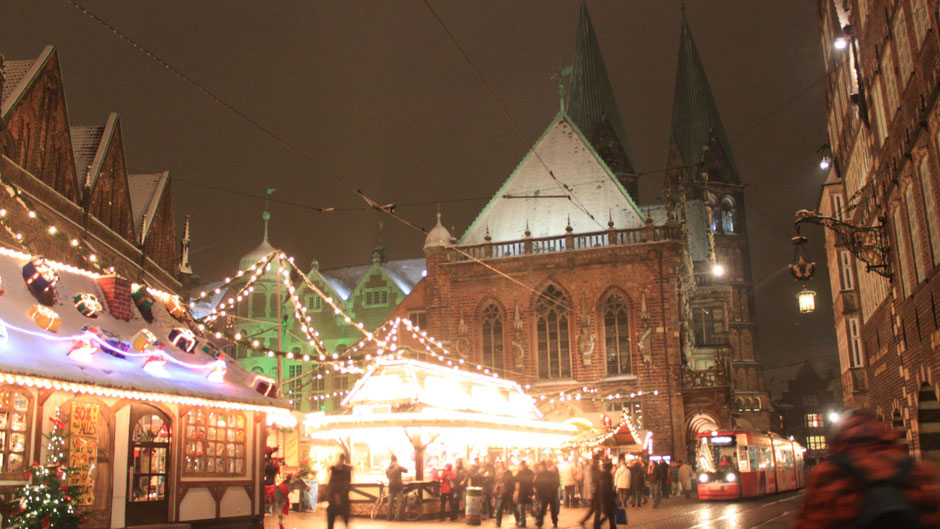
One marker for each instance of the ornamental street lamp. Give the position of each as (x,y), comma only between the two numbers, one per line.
(868,244)
(802,271)
(807,299)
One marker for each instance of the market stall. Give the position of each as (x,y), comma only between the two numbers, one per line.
(163,428)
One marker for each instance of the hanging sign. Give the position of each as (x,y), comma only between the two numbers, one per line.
(83,450)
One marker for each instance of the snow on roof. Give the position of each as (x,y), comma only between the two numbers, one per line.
(85,141)
(203,308)
(145,191)
(405,273)
(533,197)
(31,351)
(399,382)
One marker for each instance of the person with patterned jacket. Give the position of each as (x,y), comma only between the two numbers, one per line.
(869,481)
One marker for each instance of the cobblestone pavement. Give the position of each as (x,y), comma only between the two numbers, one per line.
(772,512)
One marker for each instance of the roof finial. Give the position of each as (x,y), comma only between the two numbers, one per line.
(267,216)
(563,71)
(438,212)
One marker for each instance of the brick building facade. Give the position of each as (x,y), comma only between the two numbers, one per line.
(883,60)
(75,181)
(563,283)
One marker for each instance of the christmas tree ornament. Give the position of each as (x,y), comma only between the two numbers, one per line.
(141,297)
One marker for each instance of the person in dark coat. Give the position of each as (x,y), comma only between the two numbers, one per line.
(396,488)
(524,480)
(546,491)
(606,498)
(489,484)
(339,485)
(636,483)
(505,489)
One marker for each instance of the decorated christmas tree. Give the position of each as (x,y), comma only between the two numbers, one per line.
(46,500)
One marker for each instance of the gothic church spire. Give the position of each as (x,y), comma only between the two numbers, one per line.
(592,107)
(695,115)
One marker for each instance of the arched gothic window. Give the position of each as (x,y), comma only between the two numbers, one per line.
(492,337)
(554,346)
(617,336)
(727,215)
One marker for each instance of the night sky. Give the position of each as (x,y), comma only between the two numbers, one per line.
(376,92)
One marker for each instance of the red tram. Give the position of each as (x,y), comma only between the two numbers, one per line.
(740,464)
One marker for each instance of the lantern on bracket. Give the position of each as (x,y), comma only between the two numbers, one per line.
(802,270)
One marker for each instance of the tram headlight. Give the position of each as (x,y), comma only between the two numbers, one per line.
(730,478)
(703,478)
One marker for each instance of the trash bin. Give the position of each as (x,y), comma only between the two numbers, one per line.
(474,505)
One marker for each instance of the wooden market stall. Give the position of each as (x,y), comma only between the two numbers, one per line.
(163,427)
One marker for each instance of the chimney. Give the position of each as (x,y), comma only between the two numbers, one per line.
(117,292)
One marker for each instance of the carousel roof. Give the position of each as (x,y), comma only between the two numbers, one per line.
(402,382)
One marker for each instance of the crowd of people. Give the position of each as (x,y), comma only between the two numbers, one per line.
(540,491)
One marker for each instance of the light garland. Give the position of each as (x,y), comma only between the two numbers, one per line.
(104,391)
(51,230)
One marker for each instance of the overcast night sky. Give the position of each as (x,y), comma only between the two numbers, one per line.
(376,92)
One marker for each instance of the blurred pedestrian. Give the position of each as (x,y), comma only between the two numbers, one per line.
(566,474)
(505,490)
(338,487)
(396,488)
(622,482)
(546,492)
(869,482)
(606,498)
(447,478)
(636,482)
(685,478)
(593,472)
(674,478)
(523,497)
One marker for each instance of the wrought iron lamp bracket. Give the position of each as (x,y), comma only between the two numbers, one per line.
(868,244)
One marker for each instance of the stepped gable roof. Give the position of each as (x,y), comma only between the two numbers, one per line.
(85,142)
(591,103)
(29,350)
(404,273)
(694,111)
(531,196)
(19,75)
(146,191)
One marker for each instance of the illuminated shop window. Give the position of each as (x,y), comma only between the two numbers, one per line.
(214,442)
(14,430)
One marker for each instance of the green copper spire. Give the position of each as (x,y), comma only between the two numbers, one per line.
(593,108)
(694,112)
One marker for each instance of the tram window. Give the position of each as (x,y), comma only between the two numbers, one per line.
(754,457)
(766,459)
(743,462)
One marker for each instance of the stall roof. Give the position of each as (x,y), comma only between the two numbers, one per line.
(28,350)
(401,382)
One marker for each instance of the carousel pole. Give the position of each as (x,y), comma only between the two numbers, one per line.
(280,328)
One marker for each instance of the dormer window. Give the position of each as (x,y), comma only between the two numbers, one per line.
(375,297)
